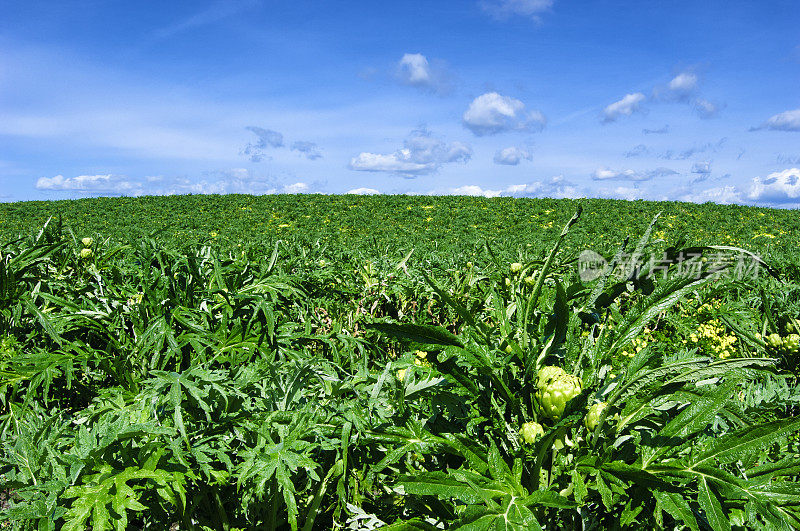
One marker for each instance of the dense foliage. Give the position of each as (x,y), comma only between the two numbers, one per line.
(149,382)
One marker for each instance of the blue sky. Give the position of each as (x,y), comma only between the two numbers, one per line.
(696,101)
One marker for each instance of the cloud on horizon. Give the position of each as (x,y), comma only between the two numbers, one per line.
(777,188)
(232,181)
(606,174)
(556,187)
(90,184)
(363,191)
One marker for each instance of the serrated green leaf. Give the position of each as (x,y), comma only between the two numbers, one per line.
(712,506)
(734,446)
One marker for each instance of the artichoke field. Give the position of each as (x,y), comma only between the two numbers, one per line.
(146,386)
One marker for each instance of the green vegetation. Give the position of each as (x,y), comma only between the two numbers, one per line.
(317,362)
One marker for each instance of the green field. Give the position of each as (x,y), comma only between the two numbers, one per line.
(426,223)
(319,362)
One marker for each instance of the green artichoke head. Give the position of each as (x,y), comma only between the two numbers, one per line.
(593,416)
(531,431)
(554,393)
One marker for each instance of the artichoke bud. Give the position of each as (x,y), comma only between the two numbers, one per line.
(531,432)
(555,392)
(593,416)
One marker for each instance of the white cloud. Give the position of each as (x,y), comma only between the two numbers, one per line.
(363,191)
(393,163)
(108,183)
(512,156)
(527,8)
(557,187)
(606,174)
(491,113)
(724,195)
(628,105)
(777,188)
(684,88)
(785,121)
(704,108)
(622,192)
(296,188)
(475,190)
(231,181)
(422,154)
(680,88)
(683,83)
(414,69)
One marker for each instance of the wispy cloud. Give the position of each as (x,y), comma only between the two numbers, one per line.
(309,149)
(685,88)
(557,187)
(785,159)
(705,109)
(422,154)
(363,191)
(694,150)
(606,174)
(415,70)
(723,195)
(512,156)
(628,105)
(637,151)
(785,121)
(215,12)
(702,170)
(90,184)
(681,87)
(503,9)
(267,138)
(660,131)
(230,181)
(491,113)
